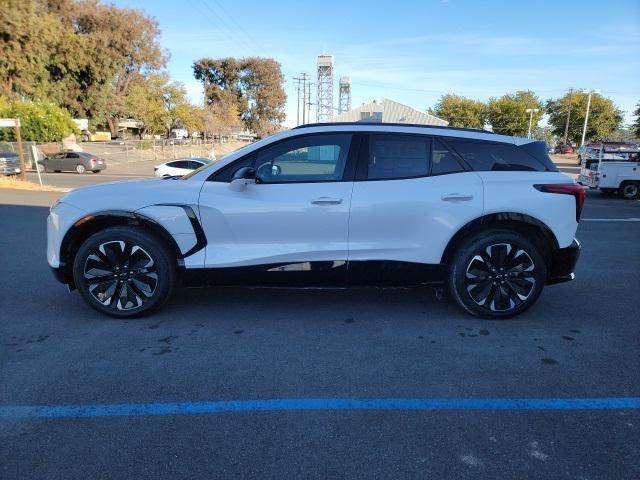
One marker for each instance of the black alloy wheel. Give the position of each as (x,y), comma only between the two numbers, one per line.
(497,273)
(124,272)
(500,277)
(120,275)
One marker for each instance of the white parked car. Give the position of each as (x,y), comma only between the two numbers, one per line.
(488,216)
(179,167)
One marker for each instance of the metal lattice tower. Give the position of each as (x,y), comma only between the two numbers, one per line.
(324,97)
(344,99)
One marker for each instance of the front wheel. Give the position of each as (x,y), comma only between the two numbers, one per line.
(124,272)
(497,274)
(41,168)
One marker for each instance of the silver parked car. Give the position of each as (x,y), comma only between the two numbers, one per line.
(79,162)
(9,163)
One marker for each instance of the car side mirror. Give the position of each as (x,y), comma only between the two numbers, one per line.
(242,178)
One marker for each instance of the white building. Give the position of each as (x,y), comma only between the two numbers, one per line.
(388,111)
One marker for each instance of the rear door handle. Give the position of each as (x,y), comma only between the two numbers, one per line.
(457,197)
(326,201)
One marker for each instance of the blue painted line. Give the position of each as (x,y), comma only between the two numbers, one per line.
(295,404)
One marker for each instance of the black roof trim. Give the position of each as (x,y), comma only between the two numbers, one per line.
(383,124)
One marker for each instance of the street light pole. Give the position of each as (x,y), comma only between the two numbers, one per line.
(531,111)
(589,91)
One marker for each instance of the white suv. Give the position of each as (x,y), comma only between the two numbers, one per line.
(487,215)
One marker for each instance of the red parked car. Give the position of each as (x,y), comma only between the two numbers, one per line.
(564,149)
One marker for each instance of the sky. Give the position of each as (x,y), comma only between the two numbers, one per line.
(416,51)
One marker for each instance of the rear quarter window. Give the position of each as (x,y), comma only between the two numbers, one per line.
(492,157)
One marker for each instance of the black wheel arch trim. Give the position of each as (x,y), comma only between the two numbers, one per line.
(85,227)
(499,220)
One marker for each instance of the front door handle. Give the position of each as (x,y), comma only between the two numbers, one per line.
(327,201)
(457,197)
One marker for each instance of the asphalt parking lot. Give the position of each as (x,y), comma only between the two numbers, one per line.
(312,353)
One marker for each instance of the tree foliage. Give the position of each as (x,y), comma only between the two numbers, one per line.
(39,121)
(604,117)
(636,124)
(80,54)
(461,111)
(507,114)
(254,84)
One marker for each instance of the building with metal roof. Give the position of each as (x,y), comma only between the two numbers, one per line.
(388,111)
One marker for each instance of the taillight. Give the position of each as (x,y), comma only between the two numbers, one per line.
(94,160)
(567,189)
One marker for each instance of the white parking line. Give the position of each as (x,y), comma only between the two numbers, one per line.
(610,219)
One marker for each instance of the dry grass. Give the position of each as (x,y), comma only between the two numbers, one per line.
(17,184)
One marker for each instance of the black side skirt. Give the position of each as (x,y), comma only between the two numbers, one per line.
(319,274)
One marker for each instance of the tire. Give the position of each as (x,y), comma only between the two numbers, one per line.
(41,168)
(80,168)
(133,282)
(630,190)
(505,293)
(95,171)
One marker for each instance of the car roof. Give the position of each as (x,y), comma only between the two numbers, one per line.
(463,133)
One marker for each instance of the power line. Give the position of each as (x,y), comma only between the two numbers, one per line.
(239,26)
(222,27)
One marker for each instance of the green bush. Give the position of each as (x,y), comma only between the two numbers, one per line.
(146,144)
(39,121)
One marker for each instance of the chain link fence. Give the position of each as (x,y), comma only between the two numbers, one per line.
(128,151)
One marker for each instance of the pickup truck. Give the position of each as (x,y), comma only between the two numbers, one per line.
(613,170)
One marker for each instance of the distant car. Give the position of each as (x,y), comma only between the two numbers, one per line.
(564,149)
(179,167)
(79,162)
(9,163)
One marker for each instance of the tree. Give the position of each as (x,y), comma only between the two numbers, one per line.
(80,54)
(145,103)
(39,122)
(460,111)
(507,114)
(253,84)
(222,117)
(636,124)
(604,117)
(179,112)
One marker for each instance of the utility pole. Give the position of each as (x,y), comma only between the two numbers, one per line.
(531,111)
(566,127)
(590,92)
(304,96)
(309,101)
(298,109)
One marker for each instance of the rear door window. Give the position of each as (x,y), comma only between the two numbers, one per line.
(398,156)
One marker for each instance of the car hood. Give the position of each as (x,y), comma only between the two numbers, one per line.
(131,195)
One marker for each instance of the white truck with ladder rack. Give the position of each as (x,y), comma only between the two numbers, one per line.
(613,170)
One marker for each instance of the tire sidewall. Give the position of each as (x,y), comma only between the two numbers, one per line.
(161,256)
(464,254)
(630,197)
(80,169)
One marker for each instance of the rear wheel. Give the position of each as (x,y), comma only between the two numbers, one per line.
(95,171)
(630,190)
(497,274)
(124,272)
(80,168)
